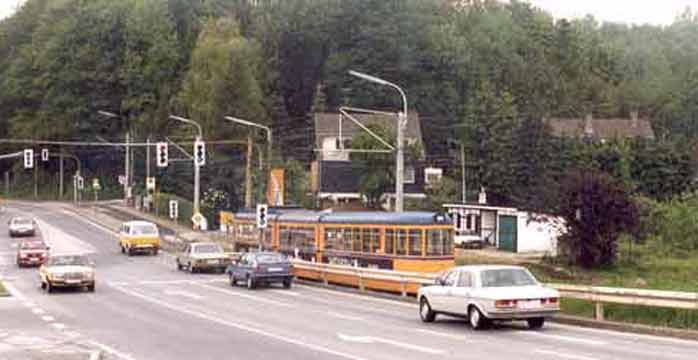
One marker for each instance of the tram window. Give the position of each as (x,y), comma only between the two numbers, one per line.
(402,242)
(390,241)
(356,240)
(439,242)
(371,239)
(330,238)
(291,238)
(415,242)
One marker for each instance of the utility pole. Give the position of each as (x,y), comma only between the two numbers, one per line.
(36,184)
(462,168)
(127,167)
(7,184)
(400,153)
(248,173)
(197,170)
(60,173)
(147,158)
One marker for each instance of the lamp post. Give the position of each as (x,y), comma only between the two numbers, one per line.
(259,126)
(127,163)
(400,154)
(196,164)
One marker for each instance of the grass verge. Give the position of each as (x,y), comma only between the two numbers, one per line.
(653,316)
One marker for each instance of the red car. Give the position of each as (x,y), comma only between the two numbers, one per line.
(31,253)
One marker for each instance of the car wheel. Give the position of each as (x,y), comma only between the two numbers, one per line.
(425,312)
(288,283)
(49,288)
(477,320)
(155,252)
(179,266)
(129,251)
(192,268)
(43,285)
(91,288)
(233,281)
(123,251)
(535,323)
(251,284)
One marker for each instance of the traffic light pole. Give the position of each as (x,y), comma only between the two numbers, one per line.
(197,172)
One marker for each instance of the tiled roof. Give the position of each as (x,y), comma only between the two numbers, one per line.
(601,128)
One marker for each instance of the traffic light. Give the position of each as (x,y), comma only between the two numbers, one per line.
(262,216)
(44,154)
(200,152)
(162,154)
(28,158)
(174,209)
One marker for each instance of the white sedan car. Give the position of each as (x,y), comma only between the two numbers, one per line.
(486,293)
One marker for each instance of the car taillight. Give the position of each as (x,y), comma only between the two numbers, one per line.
(505,303)
(550,301)
(23,255)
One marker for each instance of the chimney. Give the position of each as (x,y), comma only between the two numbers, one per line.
(633,117)
(588,126)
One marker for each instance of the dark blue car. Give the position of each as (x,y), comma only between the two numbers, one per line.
(261,268)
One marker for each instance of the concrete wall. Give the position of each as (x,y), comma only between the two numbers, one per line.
(537,235)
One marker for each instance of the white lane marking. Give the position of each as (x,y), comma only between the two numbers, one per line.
(88,221)
(200,315)
(562,337)
(38,311)
(626,335)
(111,351)
(344,316)
(118,283)
(29,304)
(58,326)
(563,355)
(48,318)
(373,340)
(444,335)
(182,293)
(360,297)
(62,242)
(246,296)
(285,292)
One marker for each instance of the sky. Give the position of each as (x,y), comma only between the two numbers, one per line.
(656,12)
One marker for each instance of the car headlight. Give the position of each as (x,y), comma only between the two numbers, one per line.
(89,274)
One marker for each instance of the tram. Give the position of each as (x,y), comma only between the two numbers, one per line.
(407,241)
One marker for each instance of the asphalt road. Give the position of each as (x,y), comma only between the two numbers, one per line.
(145,309)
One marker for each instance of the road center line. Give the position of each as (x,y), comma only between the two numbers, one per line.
(562,337)
(344,316)
(250,329)
(559,355)
(48,318)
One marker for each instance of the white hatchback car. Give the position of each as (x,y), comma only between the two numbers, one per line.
(486,293)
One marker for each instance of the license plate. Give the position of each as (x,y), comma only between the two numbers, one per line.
(211,262)
(275,269)
(72,281)
(531,304)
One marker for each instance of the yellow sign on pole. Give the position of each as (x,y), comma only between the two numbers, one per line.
(275,189)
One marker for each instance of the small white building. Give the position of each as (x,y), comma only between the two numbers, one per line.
(507,229)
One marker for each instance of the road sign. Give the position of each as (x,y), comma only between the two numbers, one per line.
(197,219)
(81,182)
(44,154)
(200,152)
(150,183)
(174,209)
(122,179)
(95,185)
(162,154)
(28,158)
(262,216)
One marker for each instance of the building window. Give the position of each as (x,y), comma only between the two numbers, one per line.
(409,175)
(432,176)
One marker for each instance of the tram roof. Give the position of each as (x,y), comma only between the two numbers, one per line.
(351,217)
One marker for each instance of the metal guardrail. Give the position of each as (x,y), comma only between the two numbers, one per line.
(408,282)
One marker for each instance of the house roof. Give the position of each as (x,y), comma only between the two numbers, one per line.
(601,128)
(327,125)
(344,177)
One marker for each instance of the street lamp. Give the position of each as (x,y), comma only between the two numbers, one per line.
(402,121)
(196,164)
(127,162)
(259,126)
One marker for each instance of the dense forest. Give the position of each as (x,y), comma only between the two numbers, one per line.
(481,72)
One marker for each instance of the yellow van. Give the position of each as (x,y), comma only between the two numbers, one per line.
(139,237)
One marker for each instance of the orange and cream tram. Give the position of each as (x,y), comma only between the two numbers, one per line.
(408,241)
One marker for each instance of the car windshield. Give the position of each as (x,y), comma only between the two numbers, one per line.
(32,245)
(507,277)
(145,229)
(270,258)
(22,222)
(78,260)
(207,248)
